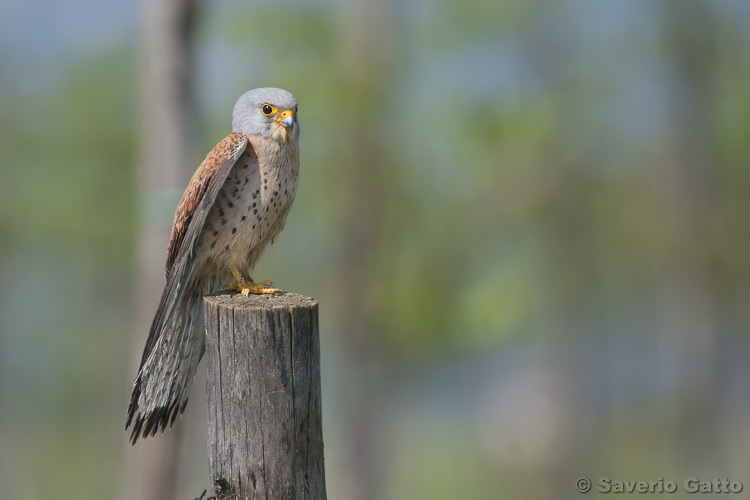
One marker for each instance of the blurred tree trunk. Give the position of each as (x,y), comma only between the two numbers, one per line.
(367,57)
(689,340)
(569,279)
(569,304)
(167,122)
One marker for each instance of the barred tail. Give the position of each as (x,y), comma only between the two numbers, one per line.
(174,348)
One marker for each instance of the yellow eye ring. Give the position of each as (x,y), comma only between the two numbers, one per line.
(268,110)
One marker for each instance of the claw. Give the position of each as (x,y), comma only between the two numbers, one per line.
(258,289)
(247,286)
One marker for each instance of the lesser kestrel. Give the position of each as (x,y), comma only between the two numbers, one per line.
(235,205)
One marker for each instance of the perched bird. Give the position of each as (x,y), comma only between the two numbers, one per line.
(235,205)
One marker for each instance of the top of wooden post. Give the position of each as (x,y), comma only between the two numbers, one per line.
(283,300)
(263,403)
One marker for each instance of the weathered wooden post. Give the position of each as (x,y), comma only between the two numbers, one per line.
(265,439)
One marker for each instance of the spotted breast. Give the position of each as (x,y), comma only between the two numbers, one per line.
(251,207)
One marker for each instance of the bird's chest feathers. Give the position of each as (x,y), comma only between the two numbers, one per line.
(252,206)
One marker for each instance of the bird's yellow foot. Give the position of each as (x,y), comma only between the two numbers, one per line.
(246,286)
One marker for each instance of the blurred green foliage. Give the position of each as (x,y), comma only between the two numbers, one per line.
(66,226)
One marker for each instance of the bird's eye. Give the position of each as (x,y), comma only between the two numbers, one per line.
(268,109)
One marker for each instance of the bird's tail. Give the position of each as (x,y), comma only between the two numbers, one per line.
(173,350)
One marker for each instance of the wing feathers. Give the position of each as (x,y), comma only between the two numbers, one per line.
(198,199)
(227,151)
(161,389)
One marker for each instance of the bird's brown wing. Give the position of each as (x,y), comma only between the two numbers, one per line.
(210,176)
(191,213)
(174,320)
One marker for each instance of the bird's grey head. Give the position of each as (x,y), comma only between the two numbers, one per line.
(269,112)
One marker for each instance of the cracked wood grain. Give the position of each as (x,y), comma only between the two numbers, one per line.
(263,404)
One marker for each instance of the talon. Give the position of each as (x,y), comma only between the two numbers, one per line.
(247,286)
(259,288)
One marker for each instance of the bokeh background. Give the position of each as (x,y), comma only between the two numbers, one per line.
(526,223)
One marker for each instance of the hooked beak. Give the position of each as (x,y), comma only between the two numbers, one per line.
(286,118)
